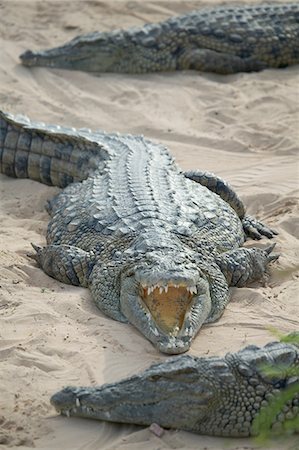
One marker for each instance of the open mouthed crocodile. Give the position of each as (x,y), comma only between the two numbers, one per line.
(216,396)
(157,247)
(225,39)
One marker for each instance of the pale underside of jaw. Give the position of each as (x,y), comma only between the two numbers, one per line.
(168,304)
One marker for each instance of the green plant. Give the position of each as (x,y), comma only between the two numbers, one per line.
(288,422)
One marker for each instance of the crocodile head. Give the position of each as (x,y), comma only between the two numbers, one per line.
(161,285)
(216,396)
(132,51)
(97,52)
(167,298)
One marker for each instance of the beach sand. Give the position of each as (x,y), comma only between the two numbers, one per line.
(243,127)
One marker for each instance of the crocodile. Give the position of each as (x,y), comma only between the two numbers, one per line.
(207,395)
(157,247)
(224,39)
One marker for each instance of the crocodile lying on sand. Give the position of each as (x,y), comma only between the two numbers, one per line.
(224,39)
(157,247)
(215,396)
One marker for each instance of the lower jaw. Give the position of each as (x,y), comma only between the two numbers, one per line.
(173,348)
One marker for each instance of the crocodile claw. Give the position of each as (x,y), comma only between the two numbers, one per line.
(35,256)
(256,230)
(268,251)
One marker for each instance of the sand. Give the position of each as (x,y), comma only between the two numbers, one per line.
(243,127)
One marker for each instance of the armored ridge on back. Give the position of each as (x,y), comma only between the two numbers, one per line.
(224,39)
(157,247)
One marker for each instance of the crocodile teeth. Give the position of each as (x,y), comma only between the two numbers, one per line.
(67,413)
(192,289)
(150,289)
(77,402)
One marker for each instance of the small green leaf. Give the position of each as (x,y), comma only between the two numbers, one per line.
(275,412)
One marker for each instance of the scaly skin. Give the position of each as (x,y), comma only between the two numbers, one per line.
(215,396)
(157,247)
(224,39)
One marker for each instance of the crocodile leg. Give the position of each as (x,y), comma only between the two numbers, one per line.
(65,263)
(218,186)
(255,229)
(244,265)
(72,265)
(212,61)
(252,227)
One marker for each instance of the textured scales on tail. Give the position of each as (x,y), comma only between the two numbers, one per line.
(157,247)
(50,154)
(224,39)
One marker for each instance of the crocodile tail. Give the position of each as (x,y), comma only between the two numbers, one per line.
(53,155)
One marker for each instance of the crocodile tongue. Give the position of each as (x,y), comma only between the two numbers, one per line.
(168,305)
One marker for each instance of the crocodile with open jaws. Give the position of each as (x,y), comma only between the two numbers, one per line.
(157,247)
(216,396)
(224,39)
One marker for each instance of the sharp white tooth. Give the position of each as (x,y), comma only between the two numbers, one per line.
(148,291)
(160,290)
(194,289)
(67,413)
(166,288)
(77,402)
